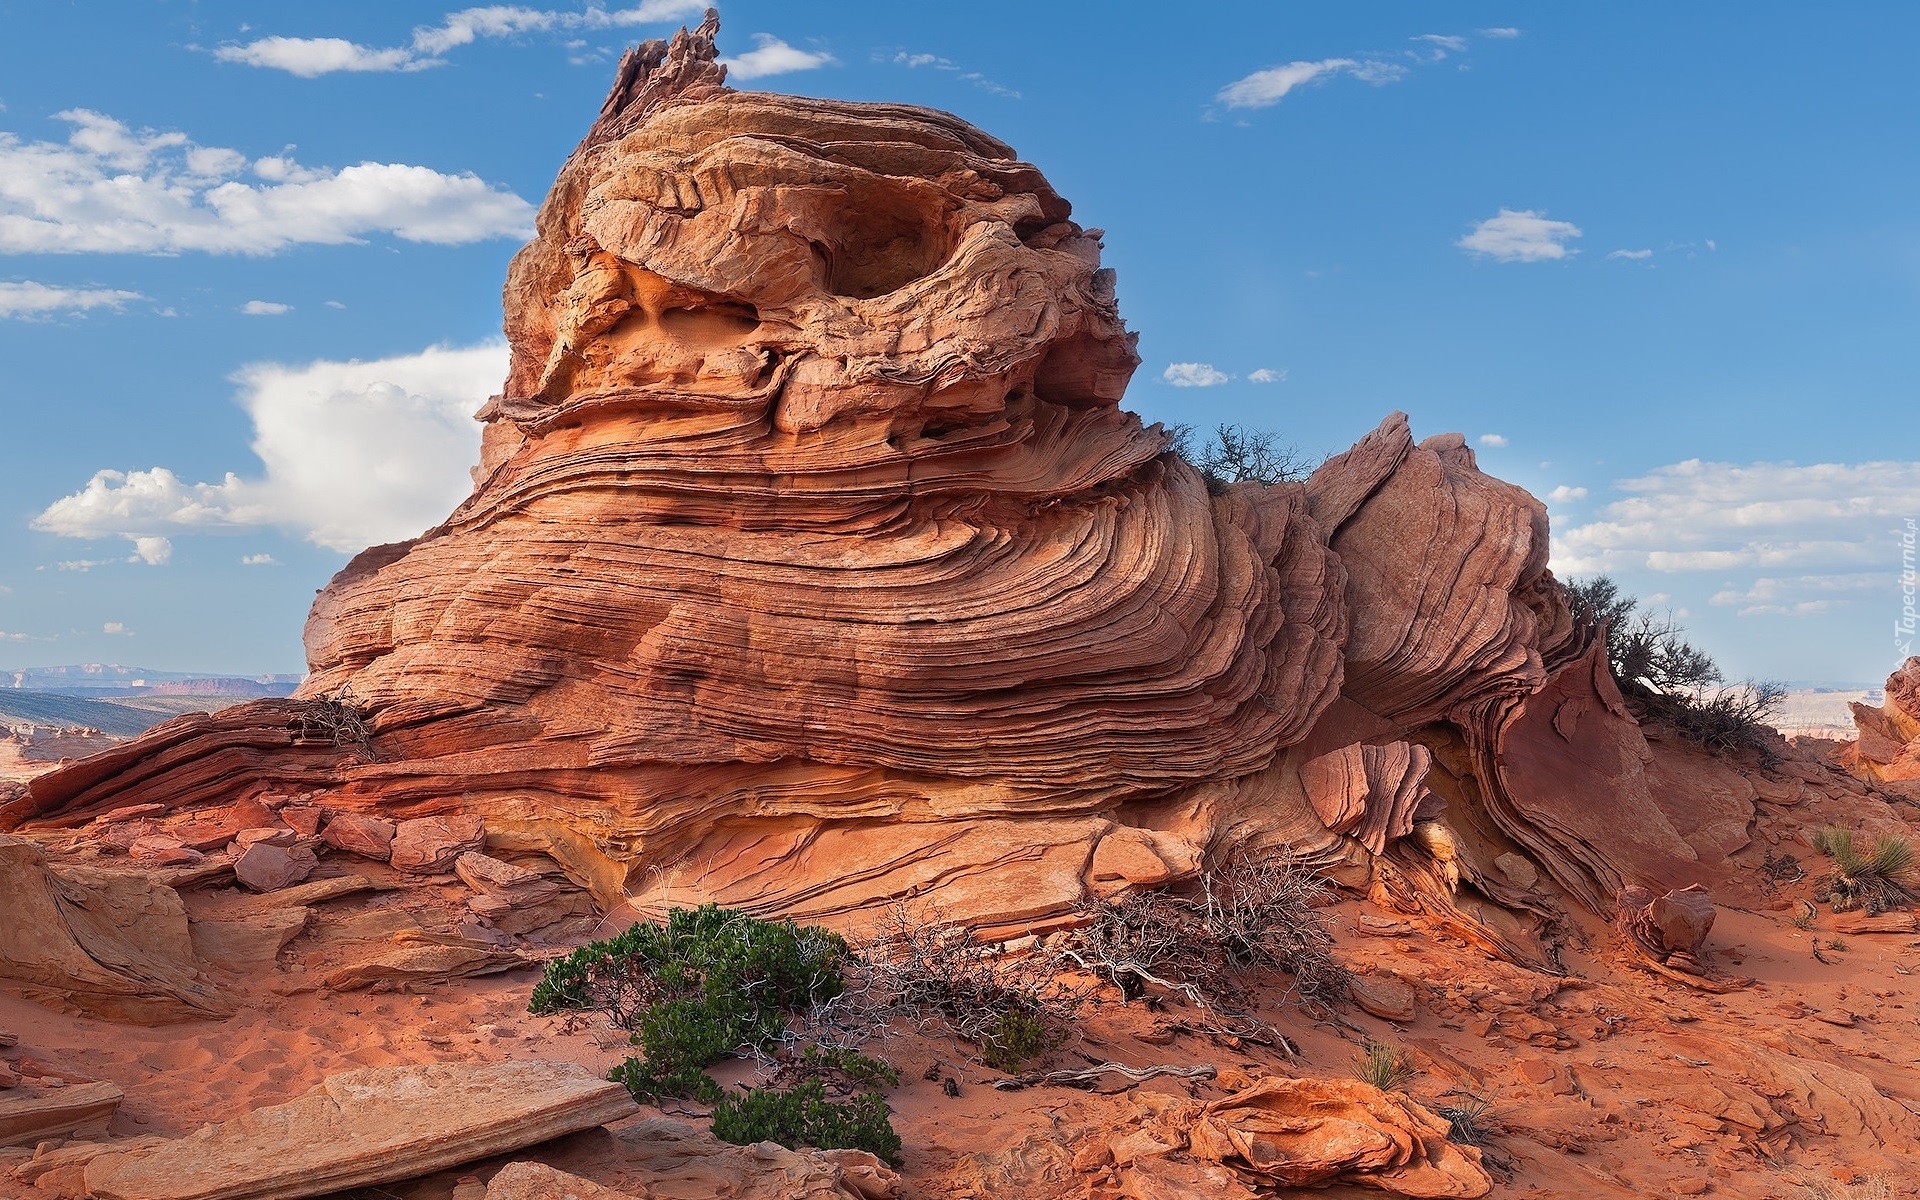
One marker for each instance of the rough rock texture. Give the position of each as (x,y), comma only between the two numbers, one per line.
(114,944)
(812,563)
(364,1128)
(1887,748)
(29,1117)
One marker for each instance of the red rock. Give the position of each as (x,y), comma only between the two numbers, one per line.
(130,812)
(267,868)
(1388,997)
(276,836)
(1369,792)
(358,833)
(303,819)
(160,850)
(431,845)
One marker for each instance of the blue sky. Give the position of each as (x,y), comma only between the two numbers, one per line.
(1660,264)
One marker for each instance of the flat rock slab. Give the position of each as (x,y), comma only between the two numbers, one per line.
(364,1128)
(26,1119)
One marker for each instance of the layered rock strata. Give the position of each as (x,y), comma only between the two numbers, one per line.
(812,564)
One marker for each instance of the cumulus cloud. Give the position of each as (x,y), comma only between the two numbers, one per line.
(116,628)
(1267,375)
(265,308)
(154,551)
(771,56)
(112,189)
(28,299)
(259,560)
(1263,89)
(315,56)
(1785,540)
(1193,374)
(1520,236)
(355,453)
(1563,493)
(1494,440)
(1632,254)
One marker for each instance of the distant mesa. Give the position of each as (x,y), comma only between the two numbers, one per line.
(812,563)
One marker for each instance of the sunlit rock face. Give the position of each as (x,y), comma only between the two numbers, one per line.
(812,564)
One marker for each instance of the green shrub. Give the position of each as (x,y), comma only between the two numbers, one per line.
(1015,1036)
(806,1116)
(706,983)
(1875,881)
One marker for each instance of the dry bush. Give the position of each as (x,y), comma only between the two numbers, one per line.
(918,971)
(340,719)
(1244,915)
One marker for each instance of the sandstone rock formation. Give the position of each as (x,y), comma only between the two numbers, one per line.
(1887,748)
(364,1128)
(812,564)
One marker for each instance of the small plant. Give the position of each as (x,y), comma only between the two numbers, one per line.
(709,981)
(1873,1187)
(1803,919)
(1875,881)
(1782,868)
(1385,1066)
(806,1116)
(1468,1122)
(1016,1036)
(1837,944)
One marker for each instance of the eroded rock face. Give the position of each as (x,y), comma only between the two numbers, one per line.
(812,563)
(1887,747)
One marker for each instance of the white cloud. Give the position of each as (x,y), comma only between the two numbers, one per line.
(310,57)
(335,304)
(1633,254)
(1193,374)
(914,61)
(259,560)
(112,189)
(1267,375)
(265,308)
(1520,236)
(154,551)
(356,453)
(1799,595)
(29,299)
(1494,440)
(772,57)
(117,628)
(83,565)
(1563,493)
(1441,42)
(1827,519)
(1499,31)
(1262,89)
(1711,245)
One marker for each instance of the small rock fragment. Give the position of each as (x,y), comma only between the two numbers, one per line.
(266,868)
(357,833)
(431,845)
(1388,997)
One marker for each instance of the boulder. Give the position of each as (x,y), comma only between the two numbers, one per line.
(366,1128)
(1388,997)
(1308,1133)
